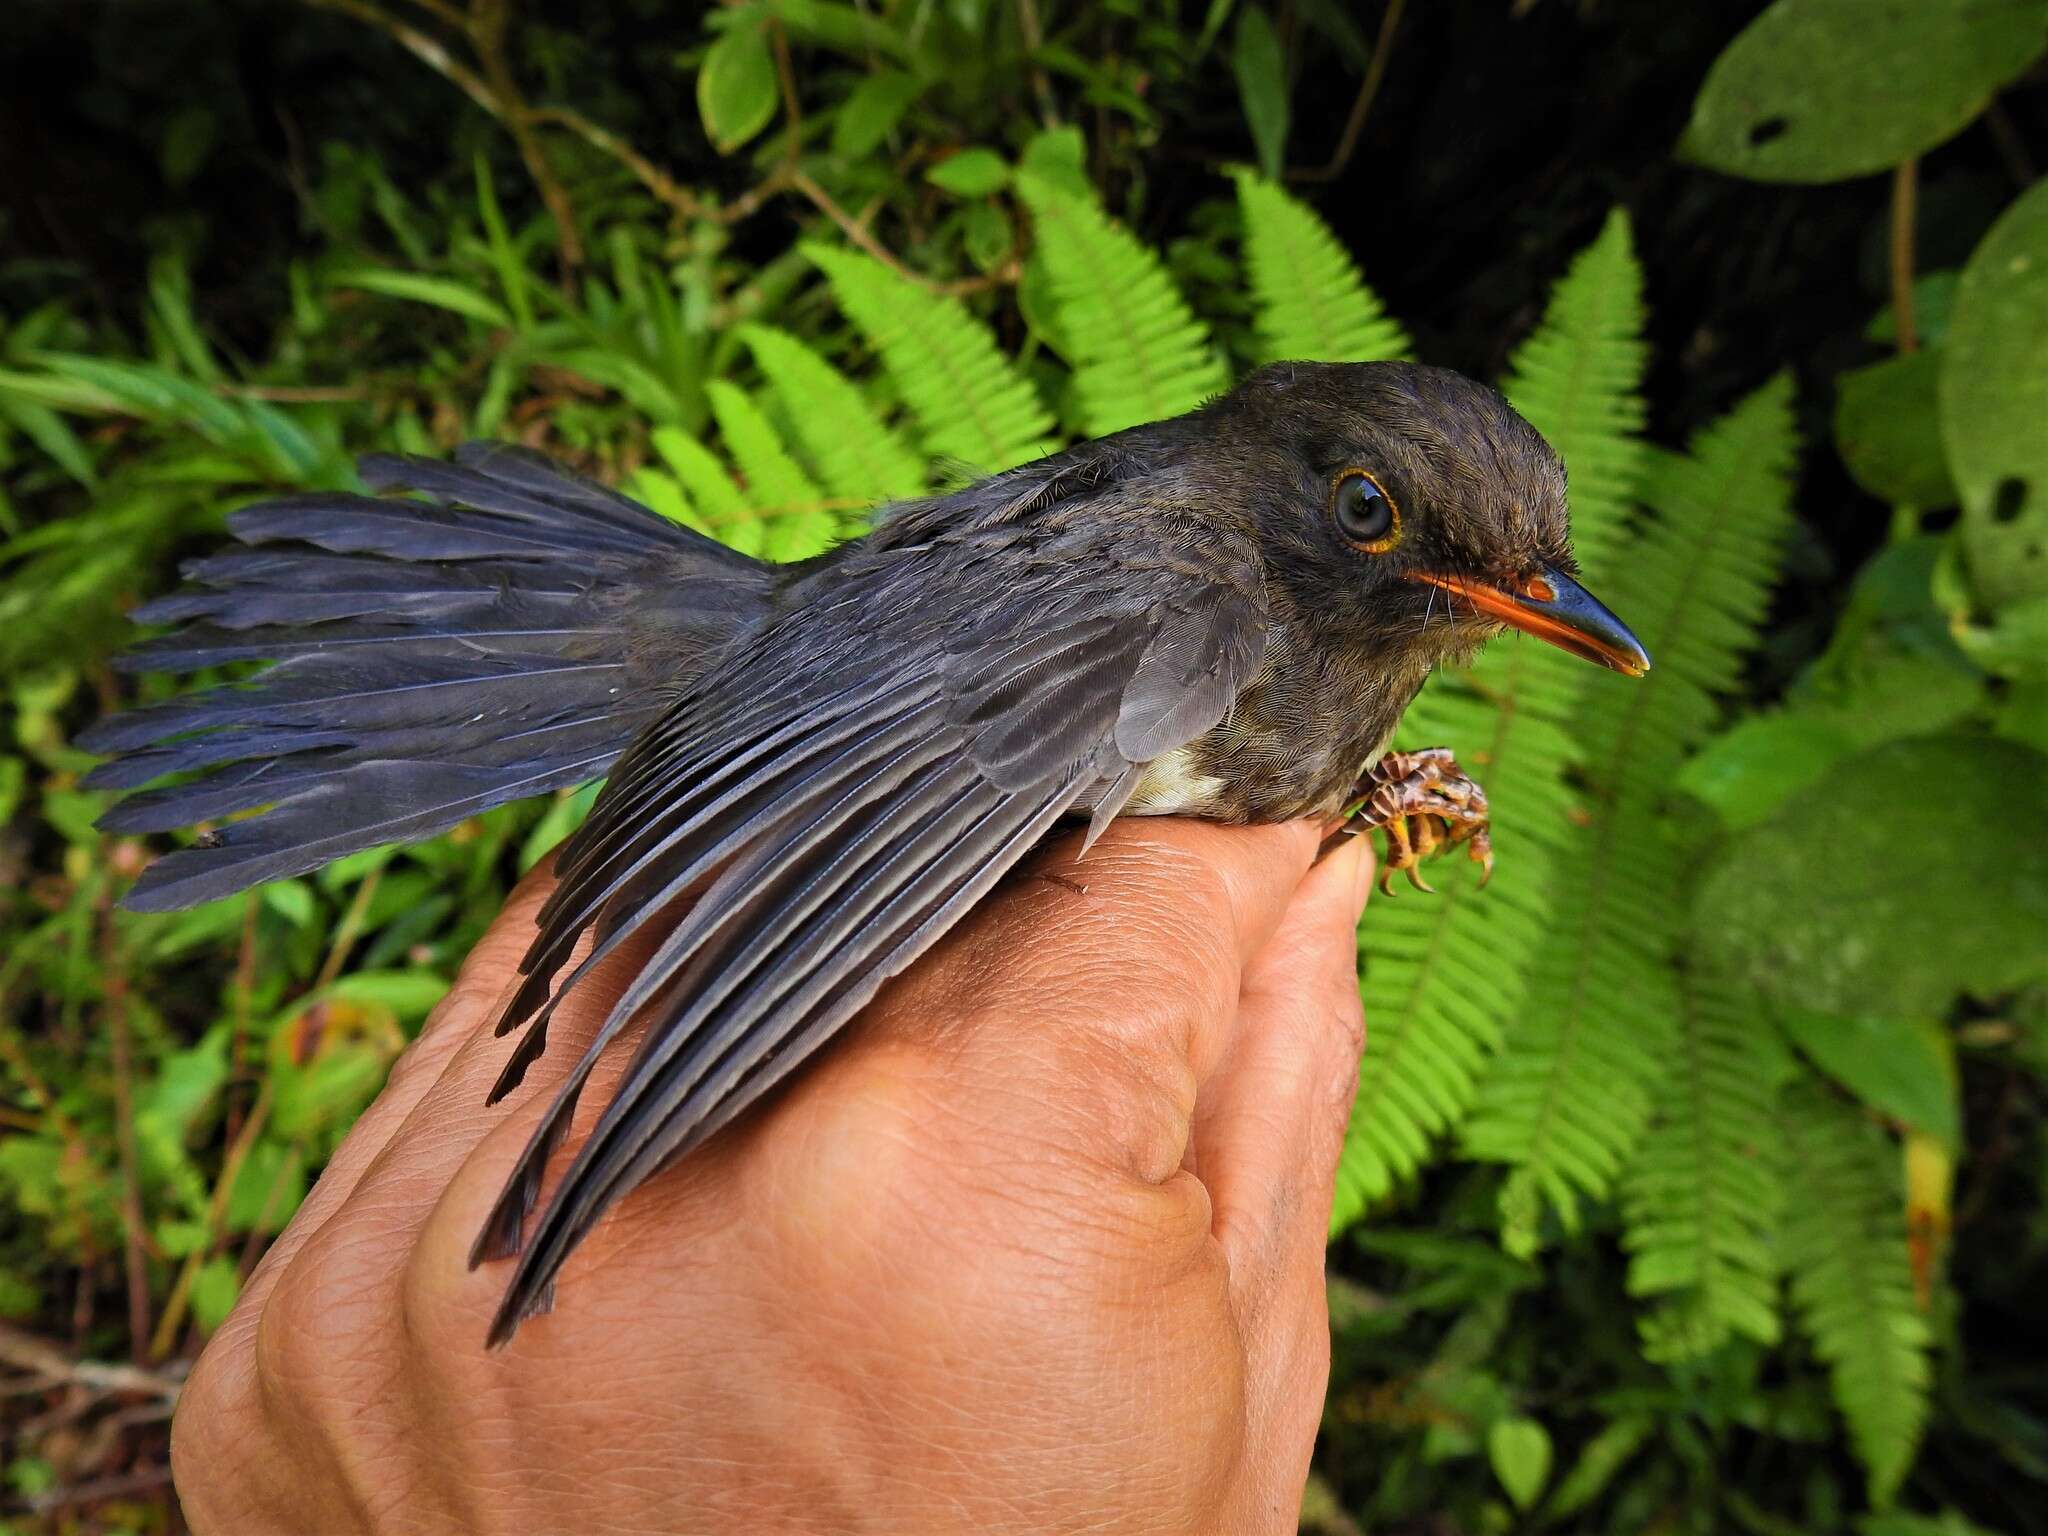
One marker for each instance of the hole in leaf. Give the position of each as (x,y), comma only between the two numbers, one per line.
(2009,499)
(1770,128)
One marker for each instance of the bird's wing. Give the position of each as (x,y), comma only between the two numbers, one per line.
(837,798)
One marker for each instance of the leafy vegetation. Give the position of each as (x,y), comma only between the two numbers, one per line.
(1695,1180)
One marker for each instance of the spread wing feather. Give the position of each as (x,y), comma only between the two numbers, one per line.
(829,833)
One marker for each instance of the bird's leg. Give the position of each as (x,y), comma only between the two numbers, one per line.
(1422,801)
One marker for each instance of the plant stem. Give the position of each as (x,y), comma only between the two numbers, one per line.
(1905,189)
(1361,105)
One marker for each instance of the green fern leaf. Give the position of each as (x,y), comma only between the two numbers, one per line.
(1852,1279)
(858,457)
(970,403)
(1571,1092)
(799,525)
(1578,378)
(1309,302)
(1703,1194)
(1443,978)
(720,506)
(1138,352)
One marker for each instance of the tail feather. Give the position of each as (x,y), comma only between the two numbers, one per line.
(431,659)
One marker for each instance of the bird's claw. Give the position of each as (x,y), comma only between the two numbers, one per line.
(1423,802)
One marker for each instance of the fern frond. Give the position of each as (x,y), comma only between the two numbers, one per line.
(1578,378)
(970,403)
(1138,352)
(1570,1094)
(858,457)
(799,521)
(1703,1194)
(1309,301)
(1444,978)
(1852,1279)
(720,506)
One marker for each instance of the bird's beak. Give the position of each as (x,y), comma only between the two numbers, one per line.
(1551,606)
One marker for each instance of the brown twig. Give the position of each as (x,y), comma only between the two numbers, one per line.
(50,1366)
(2011,147)
(1041,83)
(429,50)
(115,983)
(349,931)
(120,1485)
(785,80)
(1905,195)
(216,1219)
(1361,104)
(487,23)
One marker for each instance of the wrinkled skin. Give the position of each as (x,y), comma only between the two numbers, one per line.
(1037,1247)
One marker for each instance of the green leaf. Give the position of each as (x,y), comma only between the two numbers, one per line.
(798,521)
(1575,1084)
(971,173)
(1994,399)
(188,140)
(1309,301)
(1604,1456)
(214,1288)
(736,85)
(1059,156)
(1702,1195)
(1903,1068)
(1934,300)
(1821,90)
(1261,69)
(1816,909)
(1749,770)
(1138,352)
(970,403)
(872,110)
(1519,1449)
(424,288)
(269,1188)
(1845,1247)
(1443,979)
(1888,430)
(859,457)
(2012,643)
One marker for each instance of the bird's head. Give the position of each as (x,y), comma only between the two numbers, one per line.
(1403,507)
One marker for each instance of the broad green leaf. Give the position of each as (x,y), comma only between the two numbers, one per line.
(1749,770)
(736,86)
(1994,401)
(2013,642)
(214,1289)
(1832,905)
(1519,1449)
(269,1188)
(971,173)
(1821,90)
(1604,1456)
(1904,1068)
(1888,430)
(872,110)
(1261,69)
(424,288)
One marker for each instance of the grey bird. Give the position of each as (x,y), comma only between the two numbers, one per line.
(1220,615)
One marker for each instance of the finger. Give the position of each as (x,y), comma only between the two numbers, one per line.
(1268,1133)
(1270,1122)
(1089,997)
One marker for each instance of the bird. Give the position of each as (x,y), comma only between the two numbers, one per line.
(1221,615)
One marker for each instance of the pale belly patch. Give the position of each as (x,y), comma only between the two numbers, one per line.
(1172,786)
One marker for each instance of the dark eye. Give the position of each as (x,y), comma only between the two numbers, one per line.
(1366,514)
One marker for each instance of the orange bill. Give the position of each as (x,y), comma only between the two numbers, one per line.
(1551,606)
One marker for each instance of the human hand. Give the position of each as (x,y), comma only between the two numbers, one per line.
(1036,1247)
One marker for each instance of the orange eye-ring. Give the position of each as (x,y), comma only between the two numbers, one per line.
(1366,515)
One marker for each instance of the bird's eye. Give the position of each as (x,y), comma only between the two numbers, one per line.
(1365,513)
